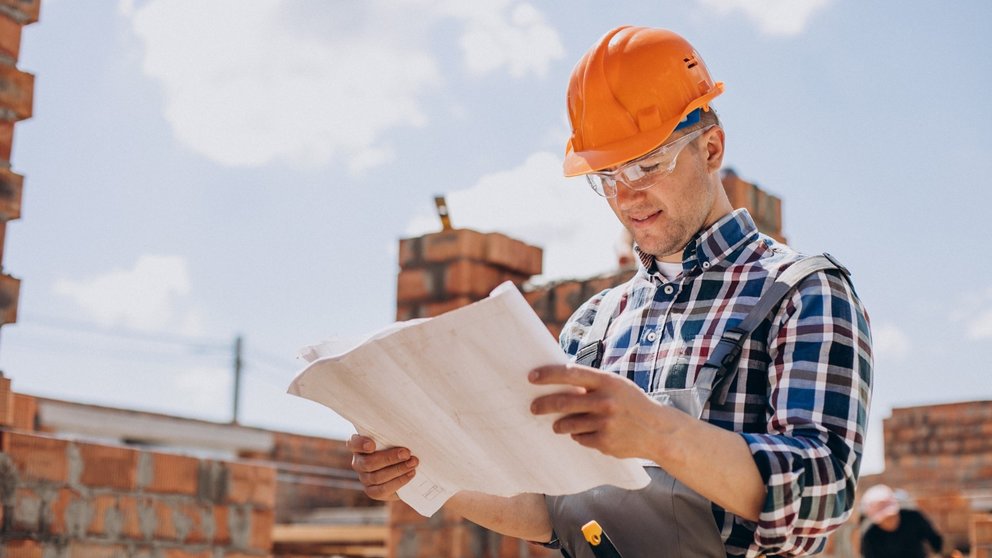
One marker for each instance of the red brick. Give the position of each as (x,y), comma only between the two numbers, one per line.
(78,549)
(10,292)
(22,549)
(472,279)
(37,457)
(185,553)
(262,522)
(222,532)
(432,309)
(26,11)
(407,311)
(109,466)
(453,245)
(410,252)
(981,529)
(195,514)
(512,254)
(10,37)
(62,521)
(165,526)
(16,91)
(6,139)
(6,402)
(415,284)
(130,517)
(255,484)
(99,506)
(173,474)
(25,411)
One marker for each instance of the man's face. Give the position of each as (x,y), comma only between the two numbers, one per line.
(663,218)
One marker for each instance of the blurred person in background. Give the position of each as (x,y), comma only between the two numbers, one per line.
(895,532)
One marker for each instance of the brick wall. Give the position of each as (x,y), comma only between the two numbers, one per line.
(65,498)
(16,102)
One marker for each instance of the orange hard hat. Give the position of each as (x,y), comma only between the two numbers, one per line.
(629,93)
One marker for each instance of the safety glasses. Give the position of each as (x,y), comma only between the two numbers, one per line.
(643,172)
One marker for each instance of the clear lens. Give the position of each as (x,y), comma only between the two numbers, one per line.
(603,185)
(642,173)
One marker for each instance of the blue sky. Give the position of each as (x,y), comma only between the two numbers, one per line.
(198,170)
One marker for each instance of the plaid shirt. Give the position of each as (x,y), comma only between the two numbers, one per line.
(801,395)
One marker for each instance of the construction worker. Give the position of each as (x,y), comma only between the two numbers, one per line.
(749,412)
(895,532)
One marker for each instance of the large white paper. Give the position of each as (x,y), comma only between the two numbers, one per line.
(454,390)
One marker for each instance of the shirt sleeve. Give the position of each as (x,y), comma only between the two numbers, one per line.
(819,391)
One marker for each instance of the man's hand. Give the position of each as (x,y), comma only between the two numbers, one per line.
(610,413)
(381,472)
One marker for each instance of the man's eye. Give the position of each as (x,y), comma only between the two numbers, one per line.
(649,168)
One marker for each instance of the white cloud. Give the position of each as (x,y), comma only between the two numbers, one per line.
(773,17)
(890,343)
(980,327)
(144,297)
(534,203)
(249,83)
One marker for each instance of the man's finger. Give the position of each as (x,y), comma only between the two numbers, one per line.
(387,490)
(368,462)
(386,474)
(570,374)
(360,444)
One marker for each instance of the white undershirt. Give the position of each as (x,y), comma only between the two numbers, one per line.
(668,270)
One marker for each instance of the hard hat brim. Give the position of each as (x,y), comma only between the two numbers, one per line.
(577,163)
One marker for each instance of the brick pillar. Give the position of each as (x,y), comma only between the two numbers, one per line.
(765,208)
(981,535)
(16,99)
(450,269)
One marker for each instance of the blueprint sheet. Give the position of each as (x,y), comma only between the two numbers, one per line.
(454,390)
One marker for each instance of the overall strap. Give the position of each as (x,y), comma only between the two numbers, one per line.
(725,355)
(591,354)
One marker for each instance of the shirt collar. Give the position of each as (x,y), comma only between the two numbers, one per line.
(709,245)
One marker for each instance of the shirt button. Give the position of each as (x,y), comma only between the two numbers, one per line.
(651,336)
(706,265)
(669,289)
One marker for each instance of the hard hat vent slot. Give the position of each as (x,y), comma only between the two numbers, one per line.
(690,62)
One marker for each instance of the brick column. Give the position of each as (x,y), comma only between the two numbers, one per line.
(450,269)
(16,99)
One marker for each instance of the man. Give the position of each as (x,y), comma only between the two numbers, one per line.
(895,532)
(765,465)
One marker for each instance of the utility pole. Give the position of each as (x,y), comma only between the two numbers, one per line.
(237,377)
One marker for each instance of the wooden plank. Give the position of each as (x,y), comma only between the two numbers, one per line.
(303,533)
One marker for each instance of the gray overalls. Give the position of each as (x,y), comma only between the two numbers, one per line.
(666,519)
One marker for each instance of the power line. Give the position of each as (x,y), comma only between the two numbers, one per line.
(196,343)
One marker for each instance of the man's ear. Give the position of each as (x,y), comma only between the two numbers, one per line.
(714,149)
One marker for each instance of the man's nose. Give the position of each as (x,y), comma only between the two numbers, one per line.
(627,197)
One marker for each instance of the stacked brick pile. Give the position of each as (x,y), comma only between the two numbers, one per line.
(981,536)
(450,269)
(64,498)
(16,102)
